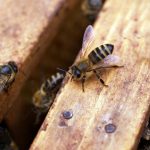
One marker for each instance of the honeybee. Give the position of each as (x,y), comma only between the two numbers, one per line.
(91,8)
(43,98)
(7,75)
(99,58)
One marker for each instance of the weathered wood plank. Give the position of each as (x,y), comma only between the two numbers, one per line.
(26,29)
(22,115)
(125,103)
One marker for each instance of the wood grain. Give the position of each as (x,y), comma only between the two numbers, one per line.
(22,115)
(125,103)
(26,29)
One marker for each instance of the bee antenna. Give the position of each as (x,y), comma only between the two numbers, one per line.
(64,70)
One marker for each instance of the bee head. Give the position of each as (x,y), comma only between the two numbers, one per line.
(94,4)
(13,66)
(76,73)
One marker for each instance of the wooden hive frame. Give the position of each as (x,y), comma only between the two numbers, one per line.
(26,32)
(24,38)
(125,103)
(22,115)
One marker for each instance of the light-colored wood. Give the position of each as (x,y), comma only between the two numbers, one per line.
(125,103)
(26,29)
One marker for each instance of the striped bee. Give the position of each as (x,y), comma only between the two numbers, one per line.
(99,58)
(91,8)
(7,75)
(43,98)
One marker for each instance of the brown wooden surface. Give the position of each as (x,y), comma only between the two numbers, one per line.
(125,103)
(26,29)
(22,115)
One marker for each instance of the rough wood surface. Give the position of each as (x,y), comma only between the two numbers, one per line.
(26,29)
(22,115)
(125,103)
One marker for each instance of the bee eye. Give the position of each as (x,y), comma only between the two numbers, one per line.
(5,70)
(78,74)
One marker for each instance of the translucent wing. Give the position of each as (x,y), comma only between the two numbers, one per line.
(3,81)
(88,39)
(108,62)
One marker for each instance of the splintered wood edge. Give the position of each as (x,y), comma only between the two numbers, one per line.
(113,117)
(25,34)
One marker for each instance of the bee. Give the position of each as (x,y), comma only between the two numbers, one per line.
(43,98)
(91,8)
(99,58)
(7,75)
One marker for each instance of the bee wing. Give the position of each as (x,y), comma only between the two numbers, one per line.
(88,38)
(3,81)
(109,61)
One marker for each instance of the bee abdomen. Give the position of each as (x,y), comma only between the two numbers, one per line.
(94,57)
(53,82)
(100,53)
(107,48)
(56,79)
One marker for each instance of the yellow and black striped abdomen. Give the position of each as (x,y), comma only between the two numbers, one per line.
(100,53)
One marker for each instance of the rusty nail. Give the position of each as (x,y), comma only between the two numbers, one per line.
(67,114)
(110,128)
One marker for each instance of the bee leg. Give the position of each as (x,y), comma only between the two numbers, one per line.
(117,66)
(71,78)
(100,79)
(83,80)
(7,86)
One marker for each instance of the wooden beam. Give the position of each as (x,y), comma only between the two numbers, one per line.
(22,115)
(113,117)
(27,28)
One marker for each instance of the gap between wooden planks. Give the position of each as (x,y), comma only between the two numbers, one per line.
(26,29)
(125,103)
